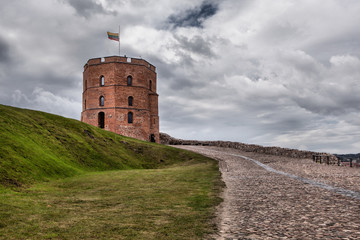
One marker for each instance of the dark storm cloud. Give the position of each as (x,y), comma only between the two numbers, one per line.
(183,84)
(197,44)
(193,17)
(333,102)
(86,8)
(4,51)
(63,85)
(285,121)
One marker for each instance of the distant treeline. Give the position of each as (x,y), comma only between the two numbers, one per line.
(347,156)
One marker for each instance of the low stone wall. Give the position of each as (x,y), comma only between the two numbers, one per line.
(277,151)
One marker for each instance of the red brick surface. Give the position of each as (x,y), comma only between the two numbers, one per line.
(116,93)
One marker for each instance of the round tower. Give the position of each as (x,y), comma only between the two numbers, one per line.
(119,95)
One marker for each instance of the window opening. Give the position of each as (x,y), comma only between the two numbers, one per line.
(130,100)
(101,119)
(130,117)
(102,81)
(102,100)
(129,80)
(150,85)
(152,138)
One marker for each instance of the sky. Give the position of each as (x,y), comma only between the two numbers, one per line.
(275,73)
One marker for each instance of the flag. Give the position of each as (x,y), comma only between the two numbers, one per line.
(113,36)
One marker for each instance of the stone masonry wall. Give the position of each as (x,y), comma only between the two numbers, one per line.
(277,151)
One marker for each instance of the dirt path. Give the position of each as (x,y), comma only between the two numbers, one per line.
(264,204)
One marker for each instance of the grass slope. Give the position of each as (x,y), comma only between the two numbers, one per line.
(37,146)
(63,179)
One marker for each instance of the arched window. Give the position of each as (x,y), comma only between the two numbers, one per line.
(102,81)
(102,100)
(130,117)
(129,80)
(85,84)
(130,100)
(150,85)
(101,119)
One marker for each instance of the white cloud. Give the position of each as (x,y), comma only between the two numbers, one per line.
(47,102)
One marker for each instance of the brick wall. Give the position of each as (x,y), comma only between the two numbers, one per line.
(116,93)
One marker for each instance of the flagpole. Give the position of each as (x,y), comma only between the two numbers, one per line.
(119,40)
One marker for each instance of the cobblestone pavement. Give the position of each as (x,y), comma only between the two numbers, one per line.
(260,204)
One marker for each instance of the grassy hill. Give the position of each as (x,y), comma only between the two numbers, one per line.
(37,146)
(63,179)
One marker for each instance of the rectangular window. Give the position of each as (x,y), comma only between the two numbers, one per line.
(130,117)
(102,100)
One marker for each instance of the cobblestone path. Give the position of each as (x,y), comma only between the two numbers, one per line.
(263,204)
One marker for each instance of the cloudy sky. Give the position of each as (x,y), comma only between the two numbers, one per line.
(283,73)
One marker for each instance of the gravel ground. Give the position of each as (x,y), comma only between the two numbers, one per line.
(259,204)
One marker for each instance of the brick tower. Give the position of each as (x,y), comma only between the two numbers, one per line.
(120,96)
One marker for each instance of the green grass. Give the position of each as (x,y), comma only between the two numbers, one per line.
(170,203)
(37,146)
(63,179)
